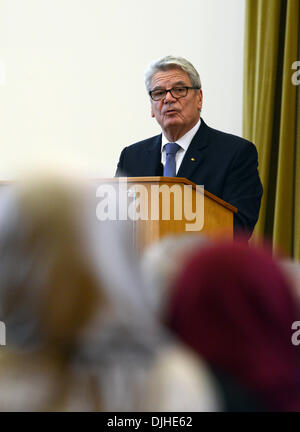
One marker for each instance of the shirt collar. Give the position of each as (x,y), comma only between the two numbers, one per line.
(185,140)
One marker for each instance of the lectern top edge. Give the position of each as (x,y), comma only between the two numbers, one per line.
(156,179)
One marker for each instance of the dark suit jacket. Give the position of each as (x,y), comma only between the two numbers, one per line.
(225,164)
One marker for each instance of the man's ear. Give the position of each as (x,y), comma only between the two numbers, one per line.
(152,113)
(200,99)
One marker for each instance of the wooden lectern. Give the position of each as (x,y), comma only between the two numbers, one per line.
(160,206)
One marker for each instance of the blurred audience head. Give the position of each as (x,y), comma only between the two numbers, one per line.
(233,305)
(48,290)
(161,263)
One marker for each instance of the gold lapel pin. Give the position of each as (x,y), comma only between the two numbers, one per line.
(193,159)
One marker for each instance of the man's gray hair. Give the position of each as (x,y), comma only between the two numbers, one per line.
(171,62)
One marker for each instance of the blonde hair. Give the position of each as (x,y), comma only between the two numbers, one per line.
(47,283)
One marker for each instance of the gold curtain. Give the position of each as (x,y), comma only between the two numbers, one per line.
(271,115)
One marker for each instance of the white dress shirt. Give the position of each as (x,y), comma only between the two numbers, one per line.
(184,143)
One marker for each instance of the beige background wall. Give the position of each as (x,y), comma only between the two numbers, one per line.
(71,73)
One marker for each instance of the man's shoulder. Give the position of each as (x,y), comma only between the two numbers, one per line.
(140,157)
(144,144)
(229,140)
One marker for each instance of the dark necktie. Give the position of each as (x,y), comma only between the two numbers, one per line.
(170,166)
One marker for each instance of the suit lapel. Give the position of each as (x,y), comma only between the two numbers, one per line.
(193,158)
(152,166)
(194,155)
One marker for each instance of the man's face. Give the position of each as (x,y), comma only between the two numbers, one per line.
(175,116)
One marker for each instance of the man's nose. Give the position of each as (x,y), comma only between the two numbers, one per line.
(169,98)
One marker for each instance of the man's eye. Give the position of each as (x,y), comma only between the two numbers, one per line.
(179,89)
(158,92)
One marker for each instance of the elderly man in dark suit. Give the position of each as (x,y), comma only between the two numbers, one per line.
(225,164)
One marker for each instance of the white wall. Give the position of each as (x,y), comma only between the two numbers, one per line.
(72,73)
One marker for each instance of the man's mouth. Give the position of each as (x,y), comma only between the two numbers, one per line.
(171,111)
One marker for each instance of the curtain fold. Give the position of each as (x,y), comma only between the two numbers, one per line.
(271,116)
